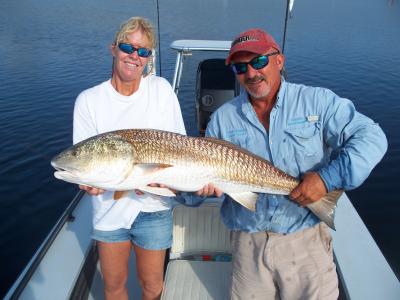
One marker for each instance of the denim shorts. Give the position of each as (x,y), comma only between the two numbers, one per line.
(150,230)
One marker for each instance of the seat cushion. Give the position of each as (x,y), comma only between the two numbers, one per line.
(197,280)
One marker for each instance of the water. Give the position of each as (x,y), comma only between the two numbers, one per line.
(50,50)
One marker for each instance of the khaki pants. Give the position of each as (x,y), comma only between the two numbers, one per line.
(276,266)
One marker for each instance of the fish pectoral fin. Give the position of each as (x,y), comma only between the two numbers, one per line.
(247,199)
(324,208)
(119,194)
(147,169)
(158,191)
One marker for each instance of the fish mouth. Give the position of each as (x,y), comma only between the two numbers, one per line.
(68,169)
(74,175)
(62,173)
(63,170)
(69,173)
(58,169)
(55,166)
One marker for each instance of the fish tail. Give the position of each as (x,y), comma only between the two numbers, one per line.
(324,208)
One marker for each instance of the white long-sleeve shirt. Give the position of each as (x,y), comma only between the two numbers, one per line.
(101,109)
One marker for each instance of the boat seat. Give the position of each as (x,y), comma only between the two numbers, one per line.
(197,280)
(200,256)
(216,84)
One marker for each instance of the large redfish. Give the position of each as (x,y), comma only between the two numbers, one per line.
(130,159)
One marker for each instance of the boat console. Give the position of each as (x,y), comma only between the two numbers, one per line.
(216,84)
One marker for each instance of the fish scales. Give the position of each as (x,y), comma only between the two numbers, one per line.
(228,161)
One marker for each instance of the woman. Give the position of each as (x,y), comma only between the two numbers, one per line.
(130,99)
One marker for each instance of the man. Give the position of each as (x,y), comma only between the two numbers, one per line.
(283,251)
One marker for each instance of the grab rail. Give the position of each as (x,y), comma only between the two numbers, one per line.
(185,47)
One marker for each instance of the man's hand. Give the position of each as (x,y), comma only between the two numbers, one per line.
(91,190)
(310,189)
(209,190)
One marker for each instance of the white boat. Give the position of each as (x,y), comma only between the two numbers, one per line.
(198,264)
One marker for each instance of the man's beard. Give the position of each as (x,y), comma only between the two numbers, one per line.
(256,95)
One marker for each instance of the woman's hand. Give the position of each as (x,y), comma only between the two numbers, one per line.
(91,190)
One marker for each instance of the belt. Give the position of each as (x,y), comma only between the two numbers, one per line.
(272,233)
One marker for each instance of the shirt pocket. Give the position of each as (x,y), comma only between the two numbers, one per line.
(238,137)
(305,143)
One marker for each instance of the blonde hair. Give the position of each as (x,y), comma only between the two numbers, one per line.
(134,24)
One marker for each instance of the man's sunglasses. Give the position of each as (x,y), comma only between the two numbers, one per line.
(129,49)
(257,63)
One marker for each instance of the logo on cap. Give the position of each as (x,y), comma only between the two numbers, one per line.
(242,39)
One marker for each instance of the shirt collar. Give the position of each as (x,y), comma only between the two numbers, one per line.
(281,93)
(249,112)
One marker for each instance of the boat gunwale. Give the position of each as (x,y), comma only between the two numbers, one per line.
(19,285)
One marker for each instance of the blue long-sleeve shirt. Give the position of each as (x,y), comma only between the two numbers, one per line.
(311,129)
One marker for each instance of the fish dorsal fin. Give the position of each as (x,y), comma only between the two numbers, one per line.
(247,199)
(119,194)
(158,191)
(324,208)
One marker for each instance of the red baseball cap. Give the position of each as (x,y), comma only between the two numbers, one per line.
(254,40)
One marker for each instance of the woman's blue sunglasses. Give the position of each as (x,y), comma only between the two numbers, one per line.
(129,49)
(257,63)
